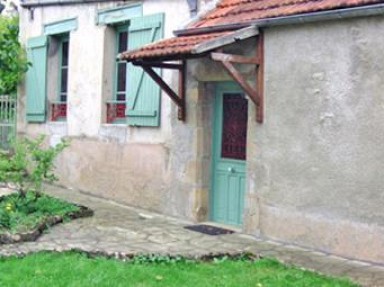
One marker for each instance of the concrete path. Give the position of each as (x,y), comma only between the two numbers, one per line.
(119,231)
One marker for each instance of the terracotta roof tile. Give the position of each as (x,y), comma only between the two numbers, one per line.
(175,46)
(238,11)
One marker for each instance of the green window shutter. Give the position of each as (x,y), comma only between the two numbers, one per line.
(143,94)
(36,79)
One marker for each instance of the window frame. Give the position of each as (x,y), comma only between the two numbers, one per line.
(61,40)
(119,29)
(116,107)
(59,109)
(59,31)
(136,110)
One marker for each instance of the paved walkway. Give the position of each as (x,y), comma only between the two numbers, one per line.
(119,231)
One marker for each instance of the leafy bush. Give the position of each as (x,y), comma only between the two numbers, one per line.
(29,164)
(19,214)
(13,61)
(4,218)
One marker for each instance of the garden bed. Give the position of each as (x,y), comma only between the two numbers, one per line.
(26,218)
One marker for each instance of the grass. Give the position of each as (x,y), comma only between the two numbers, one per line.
(22,214)
(75,269)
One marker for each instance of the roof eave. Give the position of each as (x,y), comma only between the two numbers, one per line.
(167,58)
(236,36)
(362,11)
(199,49)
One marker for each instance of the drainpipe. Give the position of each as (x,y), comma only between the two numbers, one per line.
(192,7)
(364,11)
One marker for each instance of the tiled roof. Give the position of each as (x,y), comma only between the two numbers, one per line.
(176,46)
(239,11)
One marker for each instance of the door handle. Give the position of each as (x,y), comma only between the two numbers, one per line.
(231,169)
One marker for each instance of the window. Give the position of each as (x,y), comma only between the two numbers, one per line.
(59,108)
(48,74)
(135,97)
(121,66)
(116,108)
(64,55)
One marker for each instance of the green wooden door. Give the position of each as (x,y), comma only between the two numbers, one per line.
(229,154)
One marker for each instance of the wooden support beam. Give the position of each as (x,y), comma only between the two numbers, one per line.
(238,77)
(255,94)
(173,66)
(182,109)
(260,78)
(178,100)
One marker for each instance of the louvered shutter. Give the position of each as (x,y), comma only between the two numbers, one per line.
(36,79)
(143,94)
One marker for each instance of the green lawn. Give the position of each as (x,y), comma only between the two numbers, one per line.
(73,269)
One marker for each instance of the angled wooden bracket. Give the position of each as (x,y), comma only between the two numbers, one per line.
(178,99)
(256,94)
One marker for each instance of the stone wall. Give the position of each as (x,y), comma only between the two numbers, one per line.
(315,165)
(152,168)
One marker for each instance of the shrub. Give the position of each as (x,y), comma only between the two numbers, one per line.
(13,61)
(29,164)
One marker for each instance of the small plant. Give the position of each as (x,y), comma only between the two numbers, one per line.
(29,164)
(4,218)
(218,260)
(28,212)
(21,214)
(159,259)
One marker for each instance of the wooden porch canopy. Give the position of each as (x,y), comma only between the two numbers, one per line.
(173,54)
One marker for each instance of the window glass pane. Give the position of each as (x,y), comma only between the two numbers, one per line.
(121,76)
(123,43)
(120,96)
(234,133)
(65,51)
(64,80)
(63,97)
(121,67)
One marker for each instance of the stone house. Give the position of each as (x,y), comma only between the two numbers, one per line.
(77,89)
(269,117)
